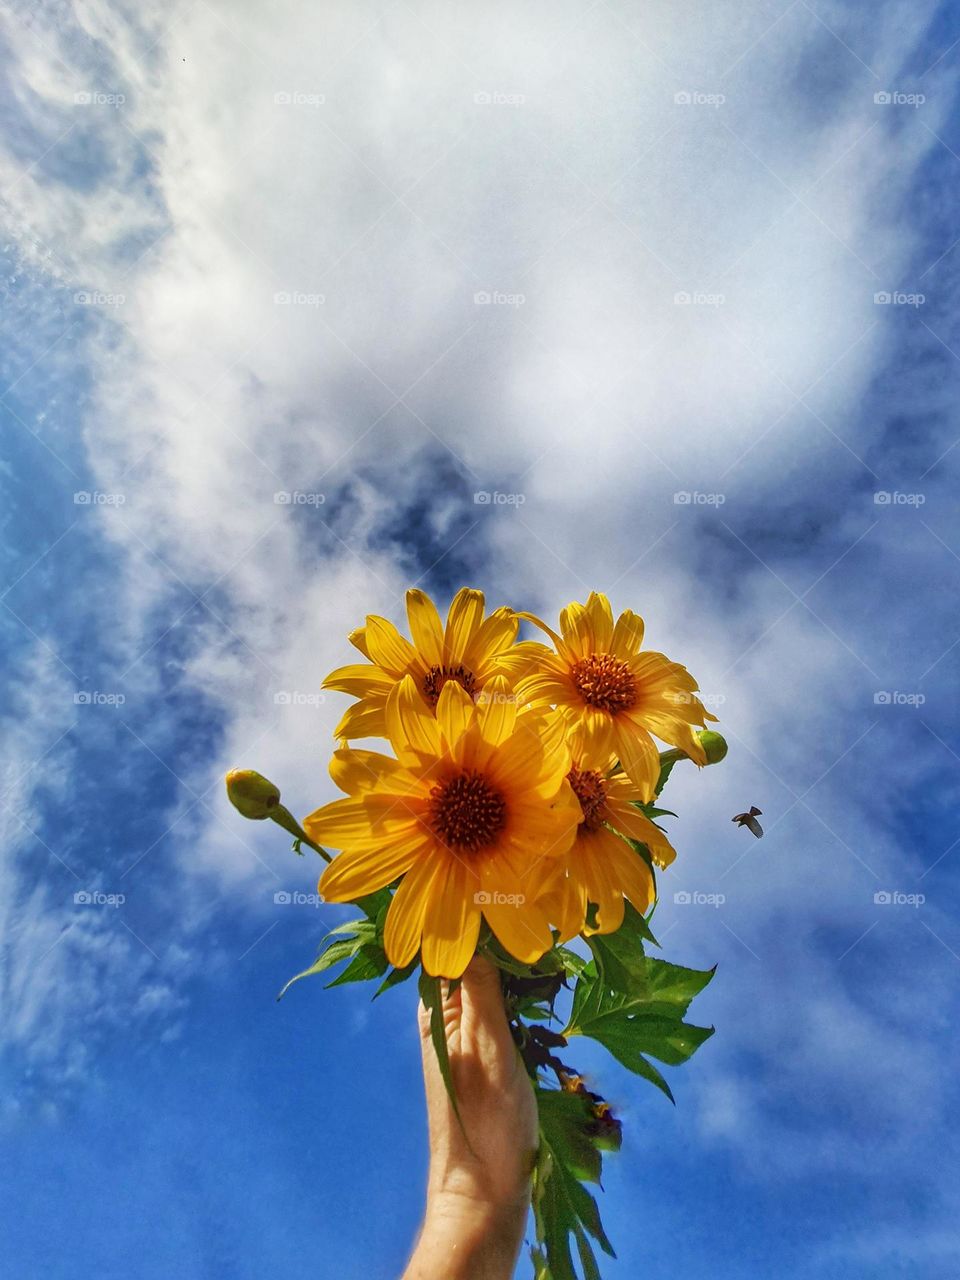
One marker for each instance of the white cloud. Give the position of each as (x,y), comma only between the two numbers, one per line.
(598,198)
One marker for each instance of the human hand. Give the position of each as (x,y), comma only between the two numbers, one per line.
(478,1189)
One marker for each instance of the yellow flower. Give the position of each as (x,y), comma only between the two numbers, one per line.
(602,683)
(601,867)
(471,813)
(470,651)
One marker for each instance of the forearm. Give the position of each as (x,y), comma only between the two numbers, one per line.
(464,1240)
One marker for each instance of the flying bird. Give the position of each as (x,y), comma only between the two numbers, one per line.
(749,820)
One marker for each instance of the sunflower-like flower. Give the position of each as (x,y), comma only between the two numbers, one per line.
(619,696)
(601,867)
(470,650)
(472,812)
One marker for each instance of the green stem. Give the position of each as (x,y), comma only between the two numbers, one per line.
(284,818)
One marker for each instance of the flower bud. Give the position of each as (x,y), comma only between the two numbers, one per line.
(714,744)
(251,793)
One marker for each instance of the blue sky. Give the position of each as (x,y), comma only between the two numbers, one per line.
(246,254)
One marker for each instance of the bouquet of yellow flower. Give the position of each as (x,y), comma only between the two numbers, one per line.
(514,814)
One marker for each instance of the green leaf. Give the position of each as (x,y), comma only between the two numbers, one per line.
(646,1020)
(621,964)
(431,993)
(562,1206)
(564,1118)
(395,977)
(359,933)
(369,962)
(375,903)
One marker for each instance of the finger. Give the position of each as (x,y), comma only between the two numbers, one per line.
(483,1007)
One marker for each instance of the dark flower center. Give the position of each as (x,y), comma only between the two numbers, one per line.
(437,677)
(466,812)
(605,681)
(592,794)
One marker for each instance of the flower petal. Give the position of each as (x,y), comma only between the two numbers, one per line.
(455,715)
(638,756)
(601,621)
(496,711)
(627,634)
(355,770)
(425,627)
(362,721)
(577,630)
(359,679)
(523,930)
(633,876)
(452,922)
(491,641)
(463,620)
(359,821)
(388,648)
(404,923)
(350,875)
(409,722)
(636,825)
